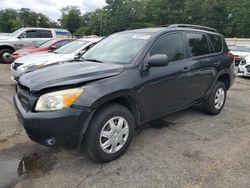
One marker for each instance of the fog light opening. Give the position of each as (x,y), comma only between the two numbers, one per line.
(51,141)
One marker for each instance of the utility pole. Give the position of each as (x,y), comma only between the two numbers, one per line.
(100,32)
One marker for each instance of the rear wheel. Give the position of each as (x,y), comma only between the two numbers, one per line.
(215,102)
(5,56)
(110,133)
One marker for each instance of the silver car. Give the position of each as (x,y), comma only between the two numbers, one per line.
(71,51)
(26,37)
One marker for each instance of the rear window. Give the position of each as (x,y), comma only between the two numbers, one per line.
(45,34)
(197,44)
(216,42)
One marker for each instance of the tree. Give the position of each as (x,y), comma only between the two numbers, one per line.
(71,18)
(11,19)
(8,21)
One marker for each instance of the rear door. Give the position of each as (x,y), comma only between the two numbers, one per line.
(202,64)
(43,35)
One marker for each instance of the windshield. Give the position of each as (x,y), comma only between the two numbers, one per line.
(46,44)
(71,47)
(240,48)
(17,32)
(118,48)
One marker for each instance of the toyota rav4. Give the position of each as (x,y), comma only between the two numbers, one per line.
(126,80)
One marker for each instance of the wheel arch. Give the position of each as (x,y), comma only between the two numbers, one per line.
(126,101)
(225,78)
(7,47)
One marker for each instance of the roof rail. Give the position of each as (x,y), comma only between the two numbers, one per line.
(193,26)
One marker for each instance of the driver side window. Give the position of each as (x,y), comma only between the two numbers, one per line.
(170,44)
(31,34)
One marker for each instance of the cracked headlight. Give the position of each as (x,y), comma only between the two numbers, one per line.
(58,100)
(35,65)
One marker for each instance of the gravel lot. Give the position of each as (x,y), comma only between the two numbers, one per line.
(188,149)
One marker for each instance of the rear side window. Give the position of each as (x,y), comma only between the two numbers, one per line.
(197,44)
(45,34)
(172,45)
(216,42)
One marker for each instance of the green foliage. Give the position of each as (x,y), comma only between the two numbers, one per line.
(71,18)
(11,19)
(228,16)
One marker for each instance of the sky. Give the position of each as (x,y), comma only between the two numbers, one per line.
(51,8)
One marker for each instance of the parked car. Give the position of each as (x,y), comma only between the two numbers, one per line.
(126,80)
(70,51)
(244,67)
(240,52)
(50,45)
(26,37)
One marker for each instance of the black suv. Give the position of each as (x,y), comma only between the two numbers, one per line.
(126,80)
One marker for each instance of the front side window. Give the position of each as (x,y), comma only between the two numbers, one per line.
(31,34)
(197,44)
(172,45)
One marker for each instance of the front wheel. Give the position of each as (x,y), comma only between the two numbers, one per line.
(5,56)
(215,102)
(109,133)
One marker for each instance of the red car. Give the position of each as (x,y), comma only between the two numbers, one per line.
(47,46)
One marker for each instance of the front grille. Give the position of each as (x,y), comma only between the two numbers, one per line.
(16,65)
(248,68)
(26,99)
(24,102)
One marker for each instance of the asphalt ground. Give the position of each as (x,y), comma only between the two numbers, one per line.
(188,149)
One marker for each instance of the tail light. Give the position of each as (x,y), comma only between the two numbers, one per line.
(229,54)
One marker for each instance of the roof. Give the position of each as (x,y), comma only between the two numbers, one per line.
(179,27)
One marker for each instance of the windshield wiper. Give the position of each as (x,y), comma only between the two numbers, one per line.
(94,60)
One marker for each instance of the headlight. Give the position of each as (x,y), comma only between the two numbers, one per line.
(35,65)
(58,100)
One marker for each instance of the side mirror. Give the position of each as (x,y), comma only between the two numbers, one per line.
(79,54)
(158,60)
(22,35)
(53,47)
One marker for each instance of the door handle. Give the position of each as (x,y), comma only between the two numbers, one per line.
(186,69)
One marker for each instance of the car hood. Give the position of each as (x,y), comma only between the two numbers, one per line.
(32,50)
(43,57)
(68,74)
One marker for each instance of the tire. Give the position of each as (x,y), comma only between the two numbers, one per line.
(5,56)
(210,106)
(110,113)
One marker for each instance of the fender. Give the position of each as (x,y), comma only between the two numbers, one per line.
(220,73)
(134,99)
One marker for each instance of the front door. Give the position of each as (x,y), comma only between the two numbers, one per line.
(167,88)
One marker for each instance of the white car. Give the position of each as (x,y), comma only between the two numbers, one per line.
(244,67)
(70,51)
(240,52)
